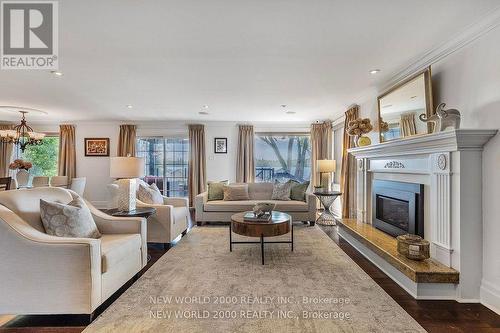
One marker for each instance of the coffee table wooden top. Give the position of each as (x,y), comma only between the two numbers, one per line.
(277,226)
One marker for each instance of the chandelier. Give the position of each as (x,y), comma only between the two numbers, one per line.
(21,135)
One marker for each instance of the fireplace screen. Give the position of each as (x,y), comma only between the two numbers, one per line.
(393,211)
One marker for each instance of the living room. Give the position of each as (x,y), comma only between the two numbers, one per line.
(286,166)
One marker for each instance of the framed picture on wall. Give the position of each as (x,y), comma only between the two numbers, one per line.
(96,146)
(220,145)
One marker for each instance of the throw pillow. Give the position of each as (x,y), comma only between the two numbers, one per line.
(236,192)
(216,190)
(68,220)
(281,191)
(150,194)
(298,191)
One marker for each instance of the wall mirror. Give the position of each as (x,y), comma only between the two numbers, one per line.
(400,107)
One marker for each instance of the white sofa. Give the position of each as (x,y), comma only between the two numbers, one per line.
(221,211)
(44,274)
(171,218)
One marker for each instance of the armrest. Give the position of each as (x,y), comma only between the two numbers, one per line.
(176,201)
(57,269)
(199,201)
(312,202)
(164,213)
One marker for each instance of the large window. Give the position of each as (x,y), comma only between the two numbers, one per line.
(281,157)
(166,163)
(43,157)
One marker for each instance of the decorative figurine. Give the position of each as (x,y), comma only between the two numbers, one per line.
(443,118)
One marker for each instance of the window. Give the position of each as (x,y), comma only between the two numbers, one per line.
(43,157)
(166,163)
(282,157)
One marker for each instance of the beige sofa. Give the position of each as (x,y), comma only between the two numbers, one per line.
(221,211)
(44,274)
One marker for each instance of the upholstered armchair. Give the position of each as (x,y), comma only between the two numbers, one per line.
(171,218)
(44,274)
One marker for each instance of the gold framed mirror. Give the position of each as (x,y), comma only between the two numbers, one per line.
(400,108)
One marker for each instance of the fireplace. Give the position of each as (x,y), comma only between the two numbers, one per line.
(398,208)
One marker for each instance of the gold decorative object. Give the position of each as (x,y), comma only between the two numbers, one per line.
(357,128)
(413,247)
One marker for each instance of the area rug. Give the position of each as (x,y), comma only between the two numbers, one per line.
(199,286)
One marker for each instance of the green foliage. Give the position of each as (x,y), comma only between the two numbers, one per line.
(44,157)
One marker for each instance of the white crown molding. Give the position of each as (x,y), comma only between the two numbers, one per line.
(487,23)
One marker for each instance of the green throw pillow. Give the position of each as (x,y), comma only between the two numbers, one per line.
(216,190)
(298,191)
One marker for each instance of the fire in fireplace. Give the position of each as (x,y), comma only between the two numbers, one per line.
(398,208)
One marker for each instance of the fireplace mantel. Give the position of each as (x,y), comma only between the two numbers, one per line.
(449,165)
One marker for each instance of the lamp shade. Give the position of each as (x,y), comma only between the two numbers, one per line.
(326,165)
(126,167)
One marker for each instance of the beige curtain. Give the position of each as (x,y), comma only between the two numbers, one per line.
(67,152)
(407,125)
(348,168)
(245,164)
(197,165)
(6,150)
(321,147)
(126,140)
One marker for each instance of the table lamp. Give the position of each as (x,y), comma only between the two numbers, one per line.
(125,170)
(325,167)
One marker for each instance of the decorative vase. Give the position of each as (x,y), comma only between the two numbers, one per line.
(363,141)
(22,177)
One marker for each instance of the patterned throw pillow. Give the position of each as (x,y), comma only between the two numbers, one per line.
(68,220)
(281,191)
(298,191)
(236,192)
(150,194)
(216,190)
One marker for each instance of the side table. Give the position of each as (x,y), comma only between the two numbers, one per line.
(327,198)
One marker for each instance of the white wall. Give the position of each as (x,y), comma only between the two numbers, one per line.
(469,80)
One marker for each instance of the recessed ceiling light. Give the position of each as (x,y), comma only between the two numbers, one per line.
(204,113)
(374,71)
(205,106)
(129,106)
(56,73)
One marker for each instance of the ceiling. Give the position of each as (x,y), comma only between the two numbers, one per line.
(243,59)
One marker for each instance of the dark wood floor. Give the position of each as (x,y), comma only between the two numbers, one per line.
(434,316)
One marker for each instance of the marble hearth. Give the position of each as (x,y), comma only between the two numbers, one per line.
(449,166)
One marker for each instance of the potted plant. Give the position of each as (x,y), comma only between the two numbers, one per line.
(22,176)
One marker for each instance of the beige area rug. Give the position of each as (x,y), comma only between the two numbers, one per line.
(199,286)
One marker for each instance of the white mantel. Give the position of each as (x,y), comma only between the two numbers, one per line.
(449,164)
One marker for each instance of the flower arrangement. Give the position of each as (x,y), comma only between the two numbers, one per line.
(384,126)
(20,165)
(357,128)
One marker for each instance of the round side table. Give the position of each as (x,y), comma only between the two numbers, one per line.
(327,198)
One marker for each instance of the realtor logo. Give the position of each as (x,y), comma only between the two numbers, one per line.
(29,35)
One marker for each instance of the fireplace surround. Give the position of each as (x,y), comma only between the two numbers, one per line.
(398,207)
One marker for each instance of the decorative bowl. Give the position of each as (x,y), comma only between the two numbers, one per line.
(262,208)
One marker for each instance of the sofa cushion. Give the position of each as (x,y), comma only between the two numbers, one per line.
(216,190)
(117,247)
(260,191)
(298,191)
(150,194)
(247,205)
(281,191)
(236,192)
(68,220)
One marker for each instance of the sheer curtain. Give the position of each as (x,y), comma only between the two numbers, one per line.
(321,147)
(348,168)
(6,150)
(126,140)
(197,163)
(67,153)
(245,164)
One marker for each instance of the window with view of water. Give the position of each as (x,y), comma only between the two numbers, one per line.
(166,163)
(43,157)
(281,157)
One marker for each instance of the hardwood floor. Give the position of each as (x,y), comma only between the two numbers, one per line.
(434,316)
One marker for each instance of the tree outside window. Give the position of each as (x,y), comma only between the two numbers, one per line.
(44,157)
(281,157)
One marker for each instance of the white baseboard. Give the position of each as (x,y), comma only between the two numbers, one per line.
(490,296)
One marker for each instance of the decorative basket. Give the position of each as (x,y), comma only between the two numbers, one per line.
(413,247)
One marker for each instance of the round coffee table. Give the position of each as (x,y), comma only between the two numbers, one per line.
(280,224)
